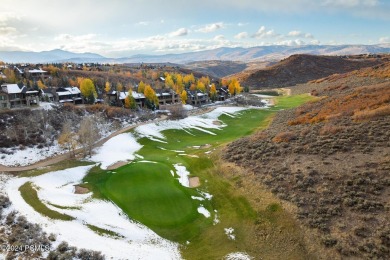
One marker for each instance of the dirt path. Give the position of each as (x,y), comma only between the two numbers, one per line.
(62,157)
(65,156)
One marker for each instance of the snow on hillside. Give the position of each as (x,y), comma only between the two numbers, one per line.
(134,241)
(29,155)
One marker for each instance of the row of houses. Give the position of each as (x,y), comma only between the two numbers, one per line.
(16,95)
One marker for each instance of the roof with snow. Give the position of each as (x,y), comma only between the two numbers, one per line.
(12,88)
(37,71)
(137,95)
(73,90)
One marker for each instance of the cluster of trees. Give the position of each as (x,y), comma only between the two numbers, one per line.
(85,137)
(180,83)
(110,78)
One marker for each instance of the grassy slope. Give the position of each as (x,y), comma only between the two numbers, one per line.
(148,193)
(30,195)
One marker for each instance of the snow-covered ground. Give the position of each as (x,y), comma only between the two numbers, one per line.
(18,157)
(183,175)
(135,241)
(119,148)
(202,210)
(153,130)
(238,256)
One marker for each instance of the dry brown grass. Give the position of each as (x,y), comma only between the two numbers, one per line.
(372,114)
(284,137)
(363,103)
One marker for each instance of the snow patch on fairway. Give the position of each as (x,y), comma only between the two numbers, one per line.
(229,111)
(176,151)
(119,148)
(238,256)
(197,198)
(201,123)
(216,219)
(204,211)
(135,241)
(183,174)
(206,195)
(146,161)
(230,233)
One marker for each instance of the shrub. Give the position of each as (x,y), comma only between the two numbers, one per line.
(284,137)
(177,111)
(372,114)
(330,129)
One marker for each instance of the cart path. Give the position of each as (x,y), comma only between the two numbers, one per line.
(65,156)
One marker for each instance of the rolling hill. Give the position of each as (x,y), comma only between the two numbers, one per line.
(301,68)
(330,159)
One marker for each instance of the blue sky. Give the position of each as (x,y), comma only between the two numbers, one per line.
(119,28)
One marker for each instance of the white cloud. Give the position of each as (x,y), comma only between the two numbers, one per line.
(295,34)
(384,40)
(241,35)
(211,27)
(300,34)
(315,42)
(219,37)
(296,42)
(79,38)
(242,24)
(309,36)
(263,33)
(179,32)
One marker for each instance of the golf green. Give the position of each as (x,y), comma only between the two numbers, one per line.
(149,193)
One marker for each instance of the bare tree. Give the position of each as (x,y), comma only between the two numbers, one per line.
(67,138)
(88,134)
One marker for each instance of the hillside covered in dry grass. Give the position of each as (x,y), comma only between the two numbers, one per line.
(331,159)
(301,68)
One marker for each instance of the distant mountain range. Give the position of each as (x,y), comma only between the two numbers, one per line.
(46,56)
(233,54)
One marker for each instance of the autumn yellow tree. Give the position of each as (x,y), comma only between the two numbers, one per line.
(119,87)
(205,81)
(130,101)
(107,87)
(225,82)
(234,87)
(78,81)
(141,87)
(183,96)
(169,81)
(213,92)
(10,74)
(188,79)
(193,87)
(200,86)
(179,86)
(41,85)
(88,90)
(151,98)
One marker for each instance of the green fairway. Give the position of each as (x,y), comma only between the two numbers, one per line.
(285,102)
(148,192)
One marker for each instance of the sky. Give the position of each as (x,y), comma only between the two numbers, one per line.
(119,28)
